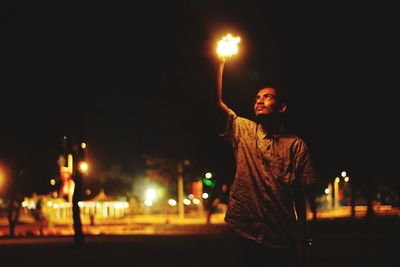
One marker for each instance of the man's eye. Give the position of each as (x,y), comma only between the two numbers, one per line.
(269,96)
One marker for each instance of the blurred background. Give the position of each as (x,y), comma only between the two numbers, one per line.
(119,95)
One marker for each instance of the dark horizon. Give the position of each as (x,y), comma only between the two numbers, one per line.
(139,79)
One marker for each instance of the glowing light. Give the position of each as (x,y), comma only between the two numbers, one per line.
(83,166)
(209,182)
(150,194)
(196,201)
(52,182)
(337,180)
(187,202)
(148,203)
(70,162)
(83,145)
(228,46)
(4,173)
(2,178)
(346,179)
(65,190)
(88,191)
(204,195)
(326,191)
(343,174)
(118,205)
(81,204)
(49,203)
(208,175)
(172,202)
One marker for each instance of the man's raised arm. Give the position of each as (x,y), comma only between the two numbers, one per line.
(220,109)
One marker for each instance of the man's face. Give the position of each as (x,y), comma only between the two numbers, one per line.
(266,102)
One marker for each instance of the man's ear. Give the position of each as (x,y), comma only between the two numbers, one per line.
(282,109)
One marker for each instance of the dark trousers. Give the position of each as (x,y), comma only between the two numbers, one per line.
(254,254)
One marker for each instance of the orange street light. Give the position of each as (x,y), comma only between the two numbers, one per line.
(83,166)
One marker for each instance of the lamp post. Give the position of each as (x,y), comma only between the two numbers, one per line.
(337,187)
(345,189)
(328,192)
(336,191)
(181,211)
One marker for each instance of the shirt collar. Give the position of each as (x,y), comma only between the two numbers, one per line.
(264,134)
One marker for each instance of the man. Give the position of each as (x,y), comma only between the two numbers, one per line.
(274,175)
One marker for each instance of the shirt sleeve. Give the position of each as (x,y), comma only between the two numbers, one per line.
(228,133)
(304,165)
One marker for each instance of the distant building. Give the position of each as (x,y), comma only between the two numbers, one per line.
(59,210)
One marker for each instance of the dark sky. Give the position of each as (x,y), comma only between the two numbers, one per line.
(139,77)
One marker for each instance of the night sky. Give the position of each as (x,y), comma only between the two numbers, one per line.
(139,76)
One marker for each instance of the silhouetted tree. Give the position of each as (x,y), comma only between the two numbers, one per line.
(14,200)
(79,156)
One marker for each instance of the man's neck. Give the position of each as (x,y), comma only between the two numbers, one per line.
(271,124)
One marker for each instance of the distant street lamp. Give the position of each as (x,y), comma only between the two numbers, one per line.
(83,167)
(150,194)
(88,191)
(337,187)
(345,189)
(187,201)
(172,202)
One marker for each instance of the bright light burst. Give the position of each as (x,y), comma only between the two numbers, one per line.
(83,166)
(172,202)
(150,194)
(228,46)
